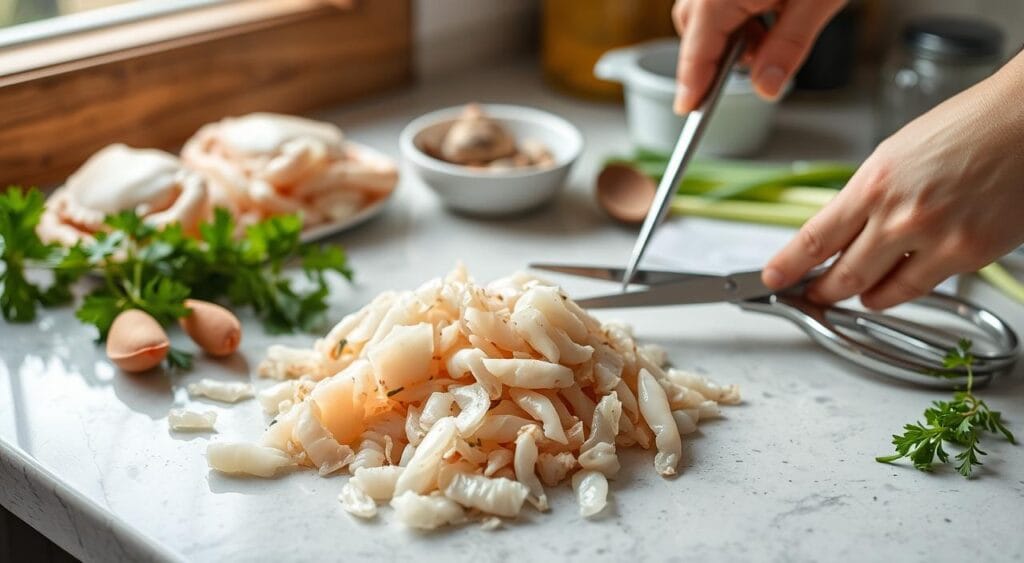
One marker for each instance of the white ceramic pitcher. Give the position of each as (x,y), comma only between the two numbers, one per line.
(647,71)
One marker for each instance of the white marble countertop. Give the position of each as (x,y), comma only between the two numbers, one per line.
(86,456)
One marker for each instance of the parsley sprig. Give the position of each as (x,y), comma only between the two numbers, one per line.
(960,421)
(19,214)
(155,270)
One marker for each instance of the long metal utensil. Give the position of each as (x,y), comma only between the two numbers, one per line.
(693,130)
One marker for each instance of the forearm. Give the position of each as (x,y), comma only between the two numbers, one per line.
(1008,99)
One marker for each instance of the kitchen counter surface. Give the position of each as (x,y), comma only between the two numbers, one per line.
(87,458)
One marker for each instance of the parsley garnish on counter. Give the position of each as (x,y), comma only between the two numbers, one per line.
(960,421)
(155,270)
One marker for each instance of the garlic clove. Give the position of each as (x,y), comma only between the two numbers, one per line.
(214,328)
(136,341)
(476,138)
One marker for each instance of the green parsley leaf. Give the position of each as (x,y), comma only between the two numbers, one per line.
(960,421)
(316,260)
(178,359)
(20,211)
(100,310)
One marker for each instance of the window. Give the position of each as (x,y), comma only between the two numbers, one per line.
(152,79)
(23,21)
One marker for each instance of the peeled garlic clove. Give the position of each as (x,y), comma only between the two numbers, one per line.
(215,329)
(476,138)
(136,342)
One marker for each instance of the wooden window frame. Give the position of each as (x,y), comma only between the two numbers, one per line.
(152,83)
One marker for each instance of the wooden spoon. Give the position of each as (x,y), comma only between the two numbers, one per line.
(625,193)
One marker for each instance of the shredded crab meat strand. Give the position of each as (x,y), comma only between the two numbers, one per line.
(686,420)
(498,496)
(529,373)
(325,453)
(473,402)
(356,502)
(370,452)
(420,476)
(582,405)
(284,362)
(273,397)
(426,512)
(540,408)
(591,488)
(439,405)
(723,395)
(222,391)
(191,421)
(242,458)
(553,468)
(470,360)
(658,415)
(598,452)
(377,482)
(459,401)
(497,459)
(525,466)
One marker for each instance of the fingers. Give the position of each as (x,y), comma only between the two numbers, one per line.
(788,43)
(822,236)
(914,277)
(705,26)
(680,12)
(868,259)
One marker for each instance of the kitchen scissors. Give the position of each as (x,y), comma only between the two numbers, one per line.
(884,343)
(689,137)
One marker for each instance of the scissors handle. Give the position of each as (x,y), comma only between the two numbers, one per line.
(897,347)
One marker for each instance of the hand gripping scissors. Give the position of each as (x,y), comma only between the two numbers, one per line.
(904,349)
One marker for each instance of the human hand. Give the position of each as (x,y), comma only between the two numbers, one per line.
(943,195)
(774,56)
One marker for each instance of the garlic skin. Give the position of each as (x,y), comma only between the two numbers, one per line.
(136,341)
(475,138)
(213,328)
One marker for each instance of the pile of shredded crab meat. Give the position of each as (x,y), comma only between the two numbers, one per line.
(460,402)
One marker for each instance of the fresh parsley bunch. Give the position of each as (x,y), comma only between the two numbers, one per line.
(20,246)
(960,421)
(155,270)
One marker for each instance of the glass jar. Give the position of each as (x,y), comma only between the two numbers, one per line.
(936,58)
(577,32)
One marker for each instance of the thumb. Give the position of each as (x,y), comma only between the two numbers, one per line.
(787,44)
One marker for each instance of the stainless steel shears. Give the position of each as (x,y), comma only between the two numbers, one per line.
(898,347)
(689,137)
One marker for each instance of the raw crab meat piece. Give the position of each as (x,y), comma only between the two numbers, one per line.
(263,164)
(119,178)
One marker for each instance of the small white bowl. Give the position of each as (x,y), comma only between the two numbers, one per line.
(480,191)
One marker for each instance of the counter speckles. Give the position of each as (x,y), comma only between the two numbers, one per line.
(789,475)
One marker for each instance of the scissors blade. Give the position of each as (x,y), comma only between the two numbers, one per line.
(645,277)
(704,289)
(689,138)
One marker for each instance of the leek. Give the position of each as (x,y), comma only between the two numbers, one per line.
(786,214)
(1002,280)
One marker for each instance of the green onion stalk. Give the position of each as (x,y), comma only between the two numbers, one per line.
(772,194)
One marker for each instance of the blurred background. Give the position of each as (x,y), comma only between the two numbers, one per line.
(884,41)
(21,11)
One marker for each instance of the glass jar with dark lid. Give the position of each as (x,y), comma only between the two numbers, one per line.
(936,58)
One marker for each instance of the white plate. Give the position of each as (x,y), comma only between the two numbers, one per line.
(324,230)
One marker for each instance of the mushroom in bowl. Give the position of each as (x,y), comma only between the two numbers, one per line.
(491,159)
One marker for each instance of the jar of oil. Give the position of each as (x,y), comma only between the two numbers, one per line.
(577,32)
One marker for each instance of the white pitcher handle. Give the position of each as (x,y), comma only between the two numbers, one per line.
(613,63)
